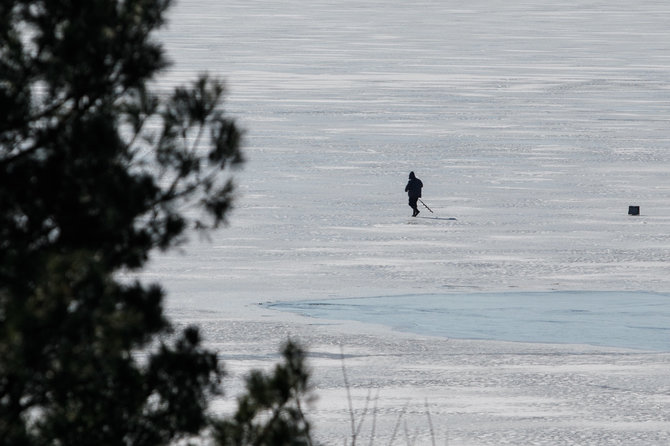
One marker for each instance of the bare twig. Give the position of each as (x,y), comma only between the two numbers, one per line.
(397,424)
(374,419)
(351,405)
(410,440)
(365,412)
(430,424)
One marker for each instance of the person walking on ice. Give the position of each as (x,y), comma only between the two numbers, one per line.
(413,190)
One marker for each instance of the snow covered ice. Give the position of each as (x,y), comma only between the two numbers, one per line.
(535,124)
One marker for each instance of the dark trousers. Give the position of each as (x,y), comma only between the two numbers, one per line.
(412,203)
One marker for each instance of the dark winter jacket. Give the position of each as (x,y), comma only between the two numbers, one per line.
(414,186)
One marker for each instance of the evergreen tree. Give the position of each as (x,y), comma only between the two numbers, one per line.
(95,173)
(270,413)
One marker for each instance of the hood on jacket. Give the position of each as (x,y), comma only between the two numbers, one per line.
(411,175)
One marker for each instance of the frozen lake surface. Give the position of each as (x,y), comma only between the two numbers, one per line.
(615,319)
(534,123)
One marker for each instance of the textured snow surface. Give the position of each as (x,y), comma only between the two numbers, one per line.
(535,124)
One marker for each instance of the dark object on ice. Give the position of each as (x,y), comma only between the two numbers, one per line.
(633,210)
(413,190)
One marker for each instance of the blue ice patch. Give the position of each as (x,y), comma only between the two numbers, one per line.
(626,319)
